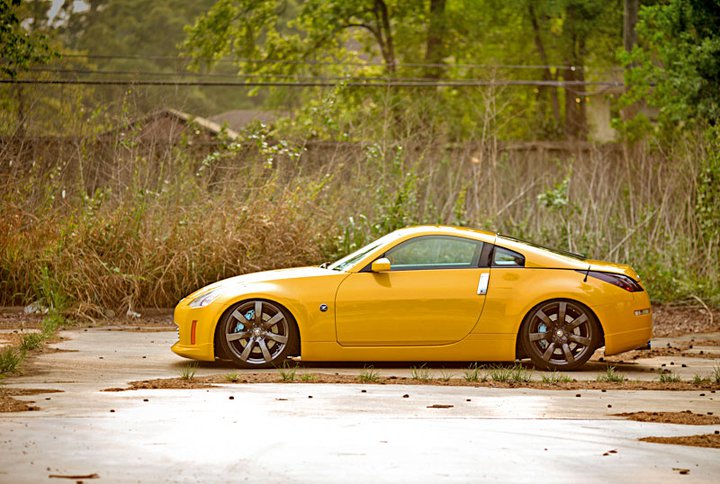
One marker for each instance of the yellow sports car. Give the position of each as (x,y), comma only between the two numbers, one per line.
(428,293)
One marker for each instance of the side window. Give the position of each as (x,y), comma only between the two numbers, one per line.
(507,258)
(435,252)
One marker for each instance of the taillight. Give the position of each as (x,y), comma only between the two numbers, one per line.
(618,280)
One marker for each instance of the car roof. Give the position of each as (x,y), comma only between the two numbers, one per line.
(482,235)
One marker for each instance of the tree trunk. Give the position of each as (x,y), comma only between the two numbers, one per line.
(630,19)
(574,75)
(387,46)
(545,91)
(435,44)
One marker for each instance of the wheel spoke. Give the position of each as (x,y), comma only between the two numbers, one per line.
(538,336)
(258,311)
(265,350)
(236,336)
(274,320)
(277,337)
(562,309)
(248,348)
(577,321)
(580,339)
(543,317)
(548,352)
(568,354)
(239,316)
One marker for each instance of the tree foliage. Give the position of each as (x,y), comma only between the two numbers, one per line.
(20,47)
(677,64)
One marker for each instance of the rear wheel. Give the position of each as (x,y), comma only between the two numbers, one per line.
(257,334)
(560,335)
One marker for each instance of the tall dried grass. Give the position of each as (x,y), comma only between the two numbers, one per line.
(124,223)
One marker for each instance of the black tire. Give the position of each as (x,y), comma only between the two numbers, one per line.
(553,344)
(252,341)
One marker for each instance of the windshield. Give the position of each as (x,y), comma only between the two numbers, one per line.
(352,259)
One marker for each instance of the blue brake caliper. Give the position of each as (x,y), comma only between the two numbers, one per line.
(248,316)
(542,328)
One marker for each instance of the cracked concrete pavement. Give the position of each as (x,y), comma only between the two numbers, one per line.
(332,432)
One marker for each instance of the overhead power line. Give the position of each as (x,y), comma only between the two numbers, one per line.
(324,63)
(138,74)
(318,83)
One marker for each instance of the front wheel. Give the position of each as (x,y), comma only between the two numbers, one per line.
(559,335)
(257,334)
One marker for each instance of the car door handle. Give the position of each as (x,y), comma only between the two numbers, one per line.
(483,284)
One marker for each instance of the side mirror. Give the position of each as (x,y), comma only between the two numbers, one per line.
(381,265)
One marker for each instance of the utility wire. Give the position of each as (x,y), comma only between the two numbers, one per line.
(354,83)
(138,73)
(325,63)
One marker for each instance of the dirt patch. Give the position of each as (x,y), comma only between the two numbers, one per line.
(675,320)
(709,343)
(15,318)
(164,383)
(704,440)
(212,380)
(684,418)
(145,329)
(10,404)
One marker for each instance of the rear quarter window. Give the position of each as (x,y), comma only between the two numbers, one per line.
(507,258)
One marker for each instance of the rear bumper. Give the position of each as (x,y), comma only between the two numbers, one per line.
(627,324)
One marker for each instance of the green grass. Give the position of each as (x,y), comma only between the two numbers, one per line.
(514,374)
(610,376)
(473,374)
(232,377)
(51,322)
(307,378)
(288,373)
(699,380)
(445,376)
(556,377)
(10,359)
(369,375)
(715,374)
(669,378)
(31,341)
(420,373)
(188,371)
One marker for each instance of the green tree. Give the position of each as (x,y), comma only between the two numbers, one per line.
(678,61)
(20,47)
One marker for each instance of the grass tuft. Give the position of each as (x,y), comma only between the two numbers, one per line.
(715,377)
(32,341)
(287,373)
(232,377)
(307,378)
(188,371)
(515,374)
(473,374)
(556,377)
(610,376)
(420,373)
(445,376)
(669,378)
(10,359)
(369,375)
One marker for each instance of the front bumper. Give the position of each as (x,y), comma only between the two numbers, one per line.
(196,330)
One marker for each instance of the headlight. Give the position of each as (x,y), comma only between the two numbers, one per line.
(204,299)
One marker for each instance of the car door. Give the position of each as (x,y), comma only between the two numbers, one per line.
(433,294)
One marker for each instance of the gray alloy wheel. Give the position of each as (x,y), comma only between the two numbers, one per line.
(257,334)
(559,335)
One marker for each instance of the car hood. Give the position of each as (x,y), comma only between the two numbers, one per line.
(265,276)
